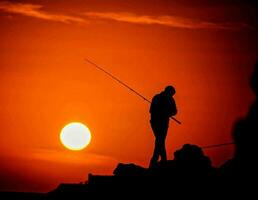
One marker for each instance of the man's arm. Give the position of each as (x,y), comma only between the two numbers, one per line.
(173,108)
(153,105)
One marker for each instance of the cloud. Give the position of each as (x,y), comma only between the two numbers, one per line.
(69,157)
(165,20)
(35,11)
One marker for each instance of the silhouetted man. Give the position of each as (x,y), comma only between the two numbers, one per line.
(162,107)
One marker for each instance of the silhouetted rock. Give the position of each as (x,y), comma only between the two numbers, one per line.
(129,170)
(189,163)
(69,191)
(191,157)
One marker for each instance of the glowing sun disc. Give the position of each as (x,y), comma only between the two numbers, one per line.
(75,136)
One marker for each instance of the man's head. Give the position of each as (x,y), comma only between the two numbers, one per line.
(170,90)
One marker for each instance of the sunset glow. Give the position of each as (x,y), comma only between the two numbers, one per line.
(205,49)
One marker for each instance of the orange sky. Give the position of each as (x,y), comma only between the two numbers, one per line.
(206,50)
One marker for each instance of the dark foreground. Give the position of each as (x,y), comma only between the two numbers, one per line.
(189,175)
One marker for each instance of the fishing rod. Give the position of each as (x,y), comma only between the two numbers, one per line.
(217,145)
(122,83)
(145,99)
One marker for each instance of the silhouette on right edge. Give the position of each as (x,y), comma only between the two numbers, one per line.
(162,107)
(244,163)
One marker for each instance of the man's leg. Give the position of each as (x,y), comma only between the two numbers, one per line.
(155,156)
(156,152)
(162,149)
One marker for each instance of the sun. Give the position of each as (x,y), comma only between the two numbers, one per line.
(75,136)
